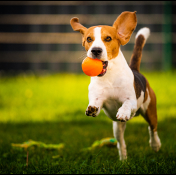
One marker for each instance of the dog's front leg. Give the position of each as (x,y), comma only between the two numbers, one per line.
(127,110)
(95,105)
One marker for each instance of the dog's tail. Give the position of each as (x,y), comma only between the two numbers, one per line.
(140,40)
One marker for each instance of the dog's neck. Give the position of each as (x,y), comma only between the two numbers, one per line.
(118,64)
(117,68)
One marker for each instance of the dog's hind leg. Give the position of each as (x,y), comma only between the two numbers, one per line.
(150,116)
(118,130)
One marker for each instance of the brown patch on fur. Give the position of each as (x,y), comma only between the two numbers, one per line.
(125,25)
(139,83)
(137,53)
(151,113)
(112,46)
(146,96)
(137,89)
(120,32)
(74,22)
(89,33)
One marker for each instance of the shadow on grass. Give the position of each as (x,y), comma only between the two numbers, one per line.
(78,134)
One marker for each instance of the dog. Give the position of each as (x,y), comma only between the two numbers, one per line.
(120,89)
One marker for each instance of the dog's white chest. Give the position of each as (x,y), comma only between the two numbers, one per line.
(111,94)
(110,108)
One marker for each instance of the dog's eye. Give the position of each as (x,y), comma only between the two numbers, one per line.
(108,38)
(89,39)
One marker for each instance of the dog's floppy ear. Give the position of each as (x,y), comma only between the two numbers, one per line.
(125,25)
(78,27)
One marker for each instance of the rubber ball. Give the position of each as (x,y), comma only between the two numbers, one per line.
(92,67)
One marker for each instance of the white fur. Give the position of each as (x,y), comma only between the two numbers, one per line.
(140,99)
(145,105)
(154,140)
(144,31)
(119,129)
(98,43)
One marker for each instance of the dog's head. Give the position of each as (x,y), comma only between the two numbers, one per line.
(103,42)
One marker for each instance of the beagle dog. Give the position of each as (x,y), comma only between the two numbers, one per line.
(120,89)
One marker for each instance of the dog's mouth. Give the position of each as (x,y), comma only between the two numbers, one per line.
(105,65)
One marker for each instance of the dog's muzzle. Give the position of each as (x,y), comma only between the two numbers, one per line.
(105,65)
(96,52)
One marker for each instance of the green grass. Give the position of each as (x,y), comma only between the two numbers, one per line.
(51,109)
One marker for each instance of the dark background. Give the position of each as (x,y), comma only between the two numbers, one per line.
(36,35)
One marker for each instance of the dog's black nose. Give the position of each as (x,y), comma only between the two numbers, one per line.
(96,51)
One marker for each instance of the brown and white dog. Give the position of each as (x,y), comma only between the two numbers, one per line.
(120,89)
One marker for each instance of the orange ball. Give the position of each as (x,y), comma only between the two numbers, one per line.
(92,67)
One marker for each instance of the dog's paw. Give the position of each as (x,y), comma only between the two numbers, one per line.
(123,115)
(91,111)
(154,141)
